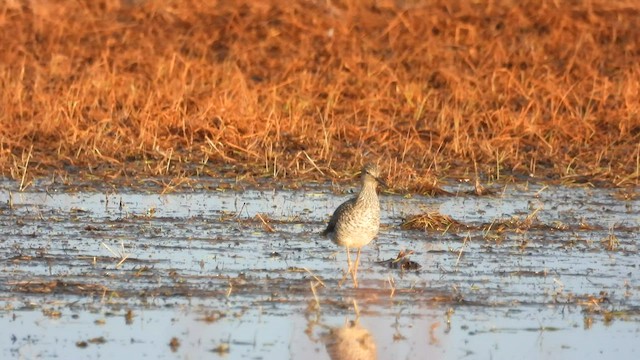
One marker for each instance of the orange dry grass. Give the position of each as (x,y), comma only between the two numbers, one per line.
(273,88)
(431,220)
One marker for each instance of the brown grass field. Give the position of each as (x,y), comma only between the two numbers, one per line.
(309,89)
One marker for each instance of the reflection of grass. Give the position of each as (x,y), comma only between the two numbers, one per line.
(298,89)
(601,304)
(121,254)
(611,242)
(222,349)
(264,218)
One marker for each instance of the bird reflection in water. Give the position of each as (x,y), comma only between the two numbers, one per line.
(350,342)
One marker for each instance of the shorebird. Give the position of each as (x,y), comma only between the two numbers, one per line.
(357,221)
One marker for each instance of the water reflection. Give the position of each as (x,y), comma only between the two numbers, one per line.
(350,342)
(58,282)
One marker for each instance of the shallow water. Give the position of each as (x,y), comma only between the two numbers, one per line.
(99,274)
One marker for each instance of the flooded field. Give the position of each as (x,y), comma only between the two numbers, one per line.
(532,272)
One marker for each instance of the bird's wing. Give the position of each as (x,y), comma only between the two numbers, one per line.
(345,206)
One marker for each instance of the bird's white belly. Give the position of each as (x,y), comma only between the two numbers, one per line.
(358,232)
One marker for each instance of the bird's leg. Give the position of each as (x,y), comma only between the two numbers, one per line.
(355,269)
(353,275)
(349,268)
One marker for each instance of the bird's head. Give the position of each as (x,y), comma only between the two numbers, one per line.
(371,172)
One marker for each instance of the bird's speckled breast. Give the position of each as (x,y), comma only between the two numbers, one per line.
(360,224)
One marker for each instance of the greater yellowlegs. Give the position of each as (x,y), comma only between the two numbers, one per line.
(357,221)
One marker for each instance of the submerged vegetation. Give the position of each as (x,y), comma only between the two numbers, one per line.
(306,89)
